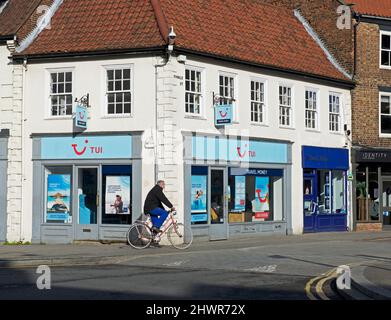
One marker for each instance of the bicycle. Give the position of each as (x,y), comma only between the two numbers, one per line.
(140,235)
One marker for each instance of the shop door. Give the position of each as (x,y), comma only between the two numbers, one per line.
(310,202)
(386,208)
(87,200)
(218,204)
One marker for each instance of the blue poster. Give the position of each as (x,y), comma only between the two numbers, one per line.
(58,198)
(240,193)
(223,115)
(261,202)
(198,194)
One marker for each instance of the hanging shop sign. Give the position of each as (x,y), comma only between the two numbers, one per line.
(81,116)
(223,114)
(87,147)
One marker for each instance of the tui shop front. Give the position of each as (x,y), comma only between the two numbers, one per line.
(85,187)
(325,192)
(235,186)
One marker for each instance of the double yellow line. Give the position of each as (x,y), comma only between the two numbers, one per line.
(320,281)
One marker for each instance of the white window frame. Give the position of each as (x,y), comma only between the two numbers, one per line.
(291,106)
(105,102)
(49,94)
(265,119)
(235,95)
(340,114)
(381,134)
(317,116)
(201,114)
(387,33)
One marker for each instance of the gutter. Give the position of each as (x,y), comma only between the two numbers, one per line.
(350,84)
(98,53)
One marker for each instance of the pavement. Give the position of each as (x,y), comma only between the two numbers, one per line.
(272,267)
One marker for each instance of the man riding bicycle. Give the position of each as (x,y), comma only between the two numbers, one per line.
(154,206)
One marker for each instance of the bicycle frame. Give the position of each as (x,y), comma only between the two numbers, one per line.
(166,226)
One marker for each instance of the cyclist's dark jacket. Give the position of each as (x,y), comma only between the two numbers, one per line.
(155,199)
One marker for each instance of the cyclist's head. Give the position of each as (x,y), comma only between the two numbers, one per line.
(161,183)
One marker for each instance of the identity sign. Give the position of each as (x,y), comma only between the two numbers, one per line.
(223,115)
(81,118)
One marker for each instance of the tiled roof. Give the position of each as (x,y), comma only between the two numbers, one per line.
(243,30)
(15,14)
(98,25)
(249,31)
(380,8)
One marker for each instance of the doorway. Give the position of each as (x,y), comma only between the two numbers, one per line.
(218,204)
(88,203)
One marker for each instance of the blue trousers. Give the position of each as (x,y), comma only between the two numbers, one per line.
(158,217)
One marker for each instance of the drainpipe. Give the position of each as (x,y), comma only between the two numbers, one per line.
(22,143)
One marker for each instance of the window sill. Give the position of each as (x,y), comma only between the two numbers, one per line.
(288,128)
(384,135)
(313,130)
(195,117)
(385,68)
(119,116)
(337,133)
(59,118)
(259,124)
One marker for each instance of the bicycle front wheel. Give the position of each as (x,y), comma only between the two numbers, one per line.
(139,236)
(180,237)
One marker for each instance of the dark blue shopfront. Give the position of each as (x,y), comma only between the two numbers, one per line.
(325,189)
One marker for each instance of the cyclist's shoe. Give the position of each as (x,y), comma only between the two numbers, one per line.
(156,230)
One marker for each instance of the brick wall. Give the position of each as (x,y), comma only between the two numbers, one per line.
(323,17)
(366,95)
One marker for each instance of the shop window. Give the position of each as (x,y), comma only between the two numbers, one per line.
(324,196)
(385,52)
(331,192)
(58,195)
(117,195)
(361,194)
(61,98)
(255,198)
(385,113)
(368,206)
(339,192)
(199,202)
(193,94)
(119,93)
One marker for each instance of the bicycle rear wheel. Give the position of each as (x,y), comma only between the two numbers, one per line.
(180,237)
(139,236)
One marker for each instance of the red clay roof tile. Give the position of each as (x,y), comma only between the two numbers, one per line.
(380,8)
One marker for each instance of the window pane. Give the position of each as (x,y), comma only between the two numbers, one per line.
(339,192)
(385,104)
(68,88)
(110,74)
(126,85)
(386,124)
(385,58)
(59,195)
(118,74)
(386,42)
(61,77)
(118,85)
(324,192)
(110,86)
(68,77)
(126,73)
(111,108)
